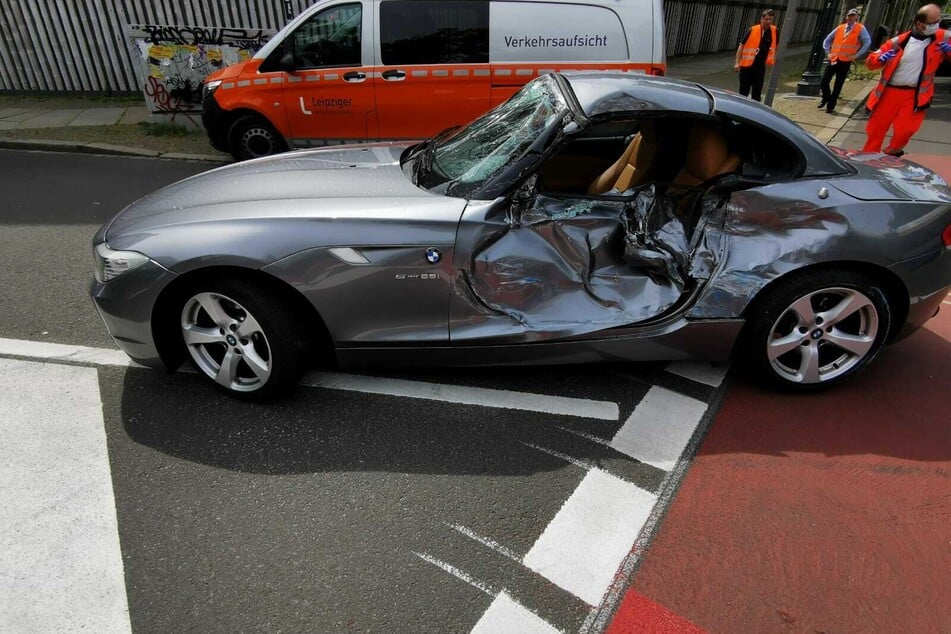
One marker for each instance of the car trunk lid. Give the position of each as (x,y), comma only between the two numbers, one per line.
(884,177)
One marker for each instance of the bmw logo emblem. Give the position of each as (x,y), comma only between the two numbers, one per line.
(433,255)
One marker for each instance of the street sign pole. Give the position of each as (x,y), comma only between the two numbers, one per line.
(789,23)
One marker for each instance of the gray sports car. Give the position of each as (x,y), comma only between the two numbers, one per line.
(591,217)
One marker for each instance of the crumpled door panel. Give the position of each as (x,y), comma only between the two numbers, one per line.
(569,267)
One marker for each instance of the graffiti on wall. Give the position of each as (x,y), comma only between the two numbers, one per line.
(174,60)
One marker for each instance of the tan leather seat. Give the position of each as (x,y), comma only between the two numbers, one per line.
(708,155)
(634,166)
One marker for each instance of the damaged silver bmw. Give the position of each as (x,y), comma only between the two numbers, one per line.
(591,217)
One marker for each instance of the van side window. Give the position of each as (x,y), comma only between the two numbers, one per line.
(329,38)
(434,32)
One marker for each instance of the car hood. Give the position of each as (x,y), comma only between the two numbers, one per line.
(883,177)
(303,184)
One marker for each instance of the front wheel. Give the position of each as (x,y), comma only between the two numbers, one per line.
(815,330)
(253,137)
(240,337)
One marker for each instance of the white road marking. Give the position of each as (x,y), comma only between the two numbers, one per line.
(458,573)
(506,616)
(40,350)
(484,397)
(592,533)
(485,541)
(699,371)
(60,561)
(459,394)
(659,428)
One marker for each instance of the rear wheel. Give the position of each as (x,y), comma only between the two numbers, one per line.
(240,337)
(816,329)
(253,137)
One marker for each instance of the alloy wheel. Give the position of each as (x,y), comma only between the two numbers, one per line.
(823,335)
(226,342)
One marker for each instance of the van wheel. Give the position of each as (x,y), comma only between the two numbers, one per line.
(253,137)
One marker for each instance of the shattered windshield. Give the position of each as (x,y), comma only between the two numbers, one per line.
(458,163)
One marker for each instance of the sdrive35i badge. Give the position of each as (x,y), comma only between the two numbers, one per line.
(433,255)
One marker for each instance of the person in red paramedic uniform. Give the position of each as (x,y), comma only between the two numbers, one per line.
(904,91)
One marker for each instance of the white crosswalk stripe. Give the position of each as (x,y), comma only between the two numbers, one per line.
(60,561)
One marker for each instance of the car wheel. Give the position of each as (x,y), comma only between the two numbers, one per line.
(239,336)
(253,137)
(816,330)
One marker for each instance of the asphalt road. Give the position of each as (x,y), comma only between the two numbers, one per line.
(443,500)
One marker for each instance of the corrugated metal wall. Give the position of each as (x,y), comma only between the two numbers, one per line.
(694,26)
(82,45)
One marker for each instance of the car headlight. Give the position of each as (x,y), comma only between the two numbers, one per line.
(111,264)
(209,87)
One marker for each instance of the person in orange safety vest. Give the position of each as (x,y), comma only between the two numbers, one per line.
(904,91)
(844,43)
(756,51)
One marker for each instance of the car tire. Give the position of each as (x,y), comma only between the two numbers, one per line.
(815,330)
(240,336)
(253,137)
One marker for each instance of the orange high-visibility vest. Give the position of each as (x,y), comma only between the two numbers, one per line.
(844,47)
(751,46)
(924,91)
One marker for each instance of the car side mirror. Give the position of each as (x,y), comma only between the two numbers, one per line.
(287,62)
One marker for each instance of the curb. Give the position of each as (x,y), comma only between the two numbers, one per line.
(828,133)
(106,149)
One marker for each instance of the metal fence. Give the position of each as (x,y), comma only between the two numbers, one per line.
(83,45)
(711,26)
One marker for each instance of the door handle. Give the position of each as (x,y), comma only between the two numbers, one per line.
(354,76)
(394,75)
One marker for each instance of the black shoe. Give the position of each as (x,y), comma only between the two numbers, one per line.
(895,153)
(830,109)
(822,104)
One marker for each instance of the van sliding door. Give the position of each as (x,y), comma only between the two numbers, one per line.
(432,68)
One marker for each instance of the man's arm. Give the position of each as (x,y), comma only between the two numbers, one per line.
(827,43)
(865,40)
(879,58)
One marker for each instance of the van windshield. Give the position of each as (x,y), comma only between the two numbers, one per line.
(460,161)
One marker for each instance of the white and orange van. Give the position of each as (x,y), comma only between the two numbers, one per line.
(348,71)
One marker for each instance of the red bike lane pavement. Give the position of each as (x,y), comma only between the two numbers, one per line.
(826,512)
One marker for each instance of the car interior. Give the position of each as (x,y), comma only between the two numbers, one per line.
(685,158)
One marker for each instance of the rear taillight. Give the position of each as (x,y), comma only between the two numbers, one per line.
(946,236)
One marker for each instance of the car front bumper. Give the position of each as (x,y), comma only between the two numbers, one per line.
(125,305)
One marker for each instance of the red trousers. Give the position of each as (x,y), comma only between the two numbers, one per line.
(895,109)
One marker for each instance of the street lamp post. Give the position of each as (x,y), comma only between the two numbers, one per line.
(809,84)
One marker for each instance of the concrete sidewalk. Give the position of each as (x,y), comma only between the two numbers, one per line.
(40,117)
(717,70)
(711,69)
